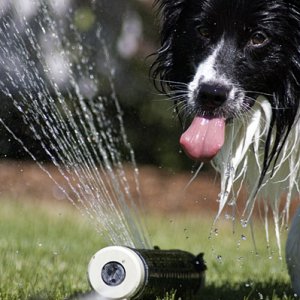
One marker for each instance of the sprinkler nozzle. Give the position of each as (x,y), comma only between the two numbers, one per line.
(113,273)
(124,273)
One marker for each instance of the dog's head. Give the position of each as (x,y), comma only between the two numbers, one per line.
(217,56)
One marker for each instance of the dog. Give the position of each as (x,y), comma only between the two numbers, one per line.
(233,71)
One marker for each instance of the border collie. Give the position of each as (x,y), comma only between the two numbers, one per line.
(233,71)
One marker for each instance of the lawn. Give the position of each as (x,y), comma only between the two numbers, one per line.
(45,250)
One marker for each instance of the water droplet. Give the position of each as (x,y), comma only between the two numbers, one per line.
(219,258)
(244,223)
(232,202)
(227,216)
(243,237)
(216,231)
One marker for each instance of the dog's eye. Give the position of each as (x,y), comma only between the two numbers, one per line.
(203,31)
(258,39)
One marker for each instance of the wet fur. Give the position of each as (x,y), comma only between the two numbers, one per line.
(247,71)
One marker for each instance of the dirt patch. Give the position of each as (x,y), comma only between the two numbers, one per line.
(162,191)
(173,192)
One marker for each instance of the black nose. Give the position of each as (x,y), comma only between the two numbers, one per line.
(212,95)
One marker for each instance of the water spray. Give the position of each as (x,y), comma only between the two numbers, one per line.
(125,273)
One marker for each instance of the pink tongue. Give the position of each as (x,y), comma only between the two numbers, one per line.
(204,138)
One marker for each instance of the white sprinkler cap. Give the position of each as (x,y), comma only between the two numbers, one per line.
(116,273)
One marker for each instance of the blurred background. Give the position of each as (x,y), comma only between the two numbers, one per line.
(131,33)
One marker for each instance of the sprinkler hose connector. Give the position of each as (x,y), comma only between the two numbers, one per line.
(118,272)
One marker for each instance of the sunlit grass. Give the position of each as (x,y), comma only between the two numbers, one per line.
(45,249)
(236,269)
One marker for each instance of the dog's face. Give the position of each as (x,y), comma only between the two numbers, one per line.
(226,50)
(217,56)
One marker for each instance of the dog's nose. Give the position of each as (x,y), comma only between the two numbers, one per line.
(212,95)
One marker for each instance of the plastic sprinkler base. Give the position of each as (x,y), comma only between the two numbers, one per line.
(124,273)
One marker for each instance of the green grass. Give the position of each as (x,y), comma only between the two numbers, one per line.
(45,249)
(235,269)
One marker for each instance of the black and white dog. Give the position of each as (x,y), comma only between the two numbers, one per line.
(233,68)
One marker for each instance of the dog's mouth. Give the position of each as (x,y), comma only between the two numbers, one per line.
(214,105)
(204,138)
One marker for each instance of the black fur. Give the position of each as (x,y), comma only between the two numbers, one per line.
(272,69)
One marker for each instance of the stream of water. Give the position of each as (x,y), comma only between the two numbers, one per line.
(48,73)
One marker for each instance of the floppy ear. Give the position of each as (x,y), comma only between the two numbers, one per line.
(285,103)
(169,12)
(170,9)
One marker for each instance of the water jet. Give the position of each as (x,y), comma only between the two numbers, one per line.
(68,101)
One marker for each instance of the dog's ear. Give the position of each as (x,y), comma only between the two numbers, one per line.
(170,10)
(169,14)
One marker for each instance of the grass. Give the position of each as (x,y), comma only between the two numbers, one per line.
(45,250)
(235,269)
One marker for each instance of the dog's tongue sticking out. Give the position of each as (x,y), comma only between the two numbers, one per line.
(204,138)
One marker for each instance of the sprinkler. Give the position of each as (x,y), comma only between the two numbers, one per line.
(125,273)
